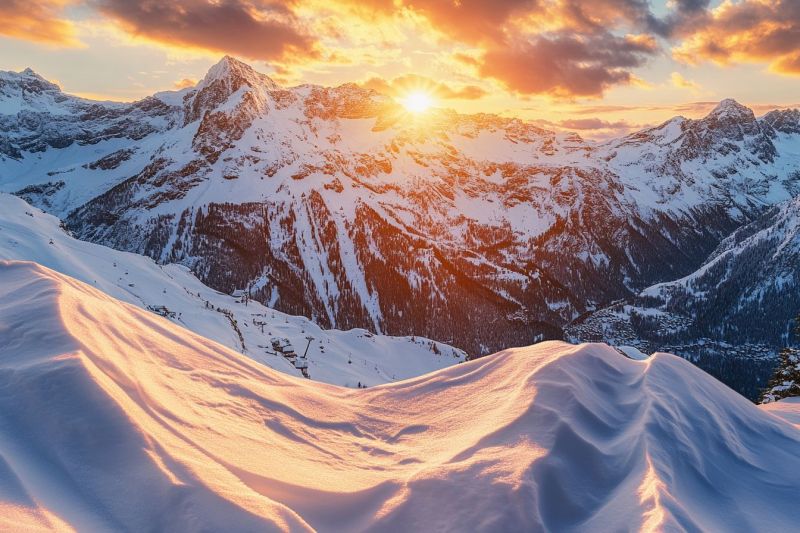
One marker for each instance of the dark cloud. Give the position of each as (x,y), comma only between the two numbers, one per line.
(685,17)
(567,65)
(254,29)
(482,20)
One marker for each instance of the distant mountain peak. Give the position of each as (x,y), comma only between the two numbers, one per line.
(221,81)
(730,108)
(235,72)
(27,90)
(784,120)
(27,76)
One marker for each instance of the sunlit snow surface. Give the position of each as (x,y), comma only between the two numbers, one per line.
(113,418)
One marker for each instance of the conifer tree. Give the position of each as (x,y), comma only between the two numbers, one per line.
(785,382)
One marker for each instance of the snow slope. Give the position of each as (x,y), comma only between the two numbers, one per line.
(112,418)
(28,234)
(788,409)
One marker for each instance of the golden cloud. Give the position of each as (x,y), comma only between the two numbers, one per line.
(184,83)
(406,83)
(37,20)
(679,81)
(561,48)
(753,31)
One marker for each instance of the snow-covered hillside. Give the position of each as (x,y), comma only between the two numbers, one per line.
(738,305)
(753,272)
(113,418)
(345,358)
(336,204)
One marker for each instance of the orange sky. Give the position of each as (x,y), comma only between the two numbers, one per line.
(600,67)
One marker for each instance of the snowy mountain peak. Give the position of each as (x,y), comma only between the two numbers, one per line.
(235,73)
(26,80)
(731,109)
(783,120)
(228,77)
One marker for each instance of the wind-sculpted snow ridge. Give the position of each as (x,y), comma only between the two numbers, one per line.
(112,418)
(351,358)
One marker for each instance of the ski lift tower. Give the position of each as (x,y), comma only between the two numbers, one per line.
(301,363)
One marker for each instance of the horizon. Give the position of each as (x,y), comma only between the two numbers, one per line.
(583,127)
(602,68)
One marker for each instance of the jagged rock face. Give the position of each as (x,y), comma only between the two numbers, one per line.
(336,204)
(784,121)
(36,116)
(731,128)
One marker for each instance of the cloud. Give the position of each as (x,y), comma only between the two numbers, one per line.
(595,109)
(594,124)
(563,48)
(410,82)
(472,21)
(695,108)
(679,81)
(36,20)
(259,29)
(748,31)
(566,65)
(685,17)
(592,128)
(184,83)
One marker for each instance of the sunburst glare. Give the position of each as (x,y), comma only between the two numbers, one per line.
(417,101)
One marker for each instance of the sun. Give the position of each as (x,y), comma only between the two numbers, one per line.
(417,101)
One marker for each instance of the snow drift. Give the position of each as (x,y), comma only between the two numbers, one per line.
(113,418)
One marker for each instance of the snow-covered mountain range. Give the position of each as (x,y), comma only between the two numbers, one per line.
(729,316)
(115,419)
(336,204)
(350,358)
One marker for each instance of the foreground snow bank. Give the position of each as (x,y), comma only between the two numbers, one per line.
(112,418)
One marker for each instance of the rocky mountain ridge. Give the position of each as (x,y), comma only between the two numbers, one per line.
(336,204)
